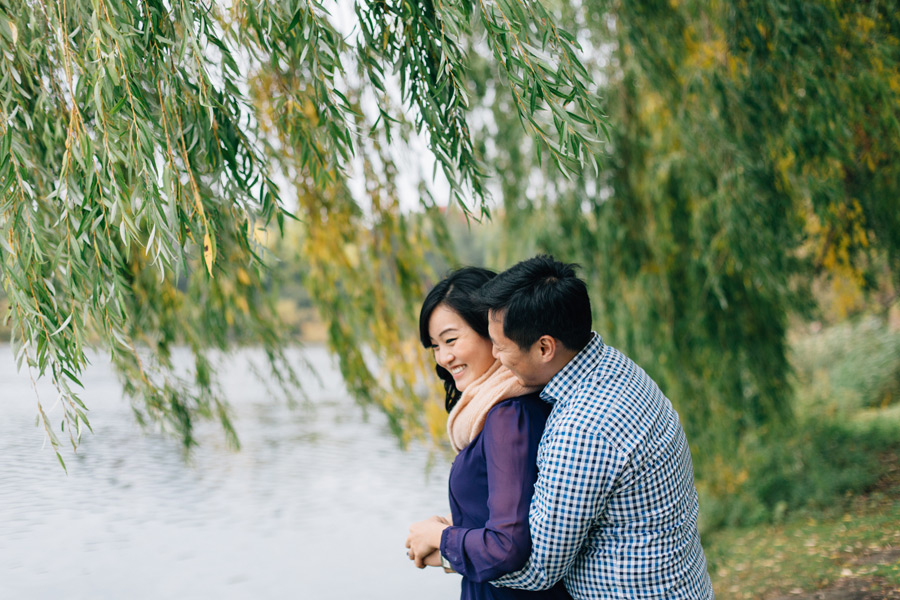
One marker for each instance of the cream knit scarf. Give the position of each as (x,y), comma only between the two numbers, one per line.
(466,419)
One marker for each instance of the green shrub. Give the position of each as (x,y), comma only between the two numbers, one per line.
(842,369)
(818,464)
(845,431)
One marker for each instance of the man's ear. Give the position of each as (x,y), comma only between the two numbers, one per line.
(547,347)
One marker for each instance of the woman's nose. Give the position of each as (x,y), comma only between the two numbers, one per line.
(444,357)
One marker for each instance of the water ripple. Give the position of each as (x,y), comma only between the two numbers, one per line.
(316,504)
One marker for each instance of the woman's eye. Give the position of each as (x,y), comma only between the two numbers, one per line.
(451,340)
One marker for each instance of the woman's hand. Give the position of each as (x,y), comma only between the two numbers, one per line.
(425,540)
(433,559)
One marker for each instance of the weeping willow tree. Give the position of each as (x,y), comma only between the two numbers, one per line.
(147,147)
(754,149)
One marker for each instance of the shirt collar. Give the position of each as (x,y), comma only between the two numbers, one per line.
(574,370)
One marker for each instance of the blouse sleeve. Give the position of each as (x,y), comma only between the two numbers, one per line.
(511,435)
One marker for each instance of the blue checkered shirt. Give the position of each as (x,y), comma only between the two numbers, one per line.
(614,512)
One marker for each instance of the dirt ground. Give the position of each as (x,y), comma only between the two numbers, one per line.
(856,588)
(849,589)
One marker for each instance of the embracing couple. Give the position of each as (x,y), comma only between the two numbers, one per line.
(573,477)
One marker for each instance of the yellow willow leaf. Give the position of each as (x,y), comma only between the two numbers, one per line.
(15,32)
(435,419)
(261,236)
(242,304)
(310,112)
(209,252)
(351,251)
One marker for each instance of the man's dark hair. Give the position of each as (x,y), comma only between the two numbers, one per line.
(540,296)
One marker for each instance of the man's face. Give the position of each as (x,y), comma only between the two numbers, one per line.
(524,364)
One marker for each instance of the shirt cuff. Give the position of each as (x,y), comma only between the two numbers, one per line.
(452,539)
(513,580)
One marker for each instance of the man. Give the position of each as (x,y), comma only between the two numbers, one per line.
(614,514)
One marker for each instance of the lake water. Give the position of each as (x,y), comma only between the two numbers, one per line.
(316,504)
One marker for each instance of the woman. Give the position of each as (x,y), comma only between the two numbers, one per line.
(495,425)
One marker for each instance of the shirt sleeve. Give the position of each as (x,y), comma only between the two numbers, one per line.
(577,472)
(511,436)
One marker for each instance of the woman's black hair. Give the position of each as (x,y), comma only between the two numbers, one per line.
(457,291)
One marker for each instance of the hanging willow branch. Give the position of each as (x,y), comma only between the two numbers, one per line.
(126,173)
(136,172)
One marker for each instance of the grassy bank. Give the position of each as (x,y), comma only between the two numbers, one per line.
(847,555)
(817,511)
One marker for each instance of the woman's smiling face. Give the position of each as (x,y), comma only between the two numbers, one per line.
(457,347)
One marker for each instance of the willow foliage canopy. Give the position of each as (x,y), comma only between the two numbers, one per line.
(138,146)
(755,152)
(147,147)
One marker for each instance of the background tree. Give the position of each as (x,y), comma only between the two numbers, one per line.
(751,155)
(135,173)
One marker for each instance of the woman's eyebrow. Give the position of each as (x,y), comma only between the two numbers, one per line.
(445,330)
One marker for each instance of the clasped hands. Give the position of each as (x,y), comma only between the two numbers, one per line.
(424,541)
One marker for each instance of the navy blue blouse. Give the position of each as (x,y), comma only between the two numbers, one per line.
(491,485)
